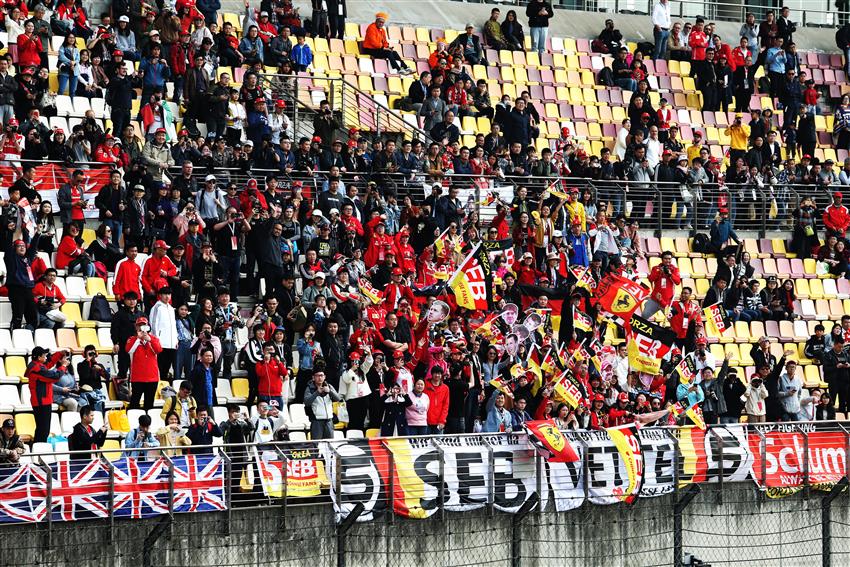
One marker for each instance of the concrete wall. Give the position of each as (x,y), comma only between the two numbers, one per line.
(743,528)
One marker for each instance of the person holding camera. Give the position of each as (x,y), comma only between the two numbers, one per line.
(143,349)
(92,375)
(753,398)
(11,446)
(319,397)
(836,372)
(664,278)
(84,437)
(141,438)
(715,402)
(201,433)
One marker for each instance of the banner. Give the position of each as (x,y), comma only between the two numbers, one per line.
(305,472)
(80,489)
(620,296)
(504,247)
(647,344)
(782,471)
(687,369)
(472,282)
(626,441)
(566,390)
(716,321)
(700,452)
(369,292)
(582,322)
(583,278)
(545,434)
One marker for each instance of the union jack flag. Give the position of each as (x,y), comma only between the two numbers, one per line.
(199,484)
(16,501)
(80,490)
(141,488)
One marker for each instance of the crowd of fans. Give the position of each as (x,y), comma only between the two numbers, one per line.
(369,264)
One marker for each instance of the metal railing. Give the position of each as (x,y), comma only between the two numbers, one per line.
(815,13)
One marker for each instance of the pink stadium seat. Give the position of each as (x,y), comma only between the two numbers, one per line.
(835,60)
(534,75)
(797,269)
(811,59)
(547,60)
(565,110)
(579,112)
(583,45)
(519,57)
(783,268)
(766,246)
(549,94)
(771,328)
(661,68)
(843,288)
(603,96)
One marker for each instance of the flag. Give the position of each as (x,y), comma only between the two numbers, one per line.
(694,413)
(716,320)
(368,291)
(647,344)
(504,247)
(305,473)
(500,383)
(625,439)
(582,321)
(563,355)
(545,435)
(566,390)
(554,191)
(440,244)
(199,484)
(548,363)
(687,369)
(488,328)
(620,296)
(583,278)
(472,282)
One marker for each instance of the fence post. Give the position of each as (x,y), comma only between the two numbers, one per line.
(714,433)
(516,529)
(826,521)
(491,481)
(660,213)
(391,489)
(342,529)
(685,497)
(441,491)
(228,489)
(284,487)
(110,537)
(48,504)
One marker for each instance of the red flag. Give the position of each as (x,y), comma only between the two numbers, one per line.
(546,435)
(620,296)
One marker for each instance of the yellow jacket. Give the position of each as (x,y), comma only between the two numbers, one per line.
(740,136)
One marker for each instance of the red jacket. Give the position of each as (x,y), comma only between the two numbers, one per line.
(270,376)
(41,379)
(67,252)
(394,293)
(439,403)
(152,272)
(143,363)
(836,218)
(663,286)
(127,276)
(698,42)
(525,274)
(681,316)
(40,290)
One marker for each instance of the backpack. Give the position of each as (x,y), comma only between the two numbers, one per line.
(700,244)
(100,310)
(605,77)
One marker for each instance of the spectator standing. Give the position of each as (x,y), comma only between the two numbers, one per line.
(539,12)
(493,32)
(661,24)
(41,374)
(85,438)
(143,349)
(201,433)
(141,438)
(20,281)
(836,372)
(319,397)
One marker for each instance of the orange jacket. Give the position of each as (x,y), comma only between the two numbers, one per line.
(375,38)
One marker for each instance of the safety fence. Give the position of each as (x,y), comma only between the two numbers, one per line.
(678,491)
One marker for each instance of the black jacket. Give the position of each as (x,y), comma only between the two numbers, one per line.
(123,326)
(81,439)
(8,86)
(534,19)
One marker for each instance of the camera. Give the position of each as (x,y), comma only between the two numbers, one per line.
(207,335)
(756,382)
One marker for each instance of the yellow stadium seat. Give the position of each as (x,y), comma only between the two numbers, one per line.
(25,425)
(816,289)
(717,351)
(371,433)
(97,285)
(364,83)
(508,73)
(89,337)
(810,266)
(509,89)
(594,131)
(570,45)
(812,376)
(320,62)
(779,248)
(112,450)
(520,74)
(573,63)
(559,60)
(673,67)
(483,124)
(239,387)
(532,59)
(688,84)
(685,68)
(506,57)
(16,366)
(589,95)
(742,332)
(618,113)
(685,267)
(72,312)
(702,286)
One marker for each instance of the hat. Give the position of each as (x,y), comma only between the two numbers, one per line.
(667,153)
(701,341)
(697,134)
(622,397)
(645,115)
(354,355)
(527,255)
(264,13)
(153,32)
(828,162)
(161,244)
(397,271)
(557,234)
(160,131)
(108,137)
(771,279)
(183,132)
(118,53)
(28,71)
(252,183)
(553,256)
(806,156)
(333,211)
(598,398)
(565,131)
(382,16)
(838,195)
(317,139)
(139,188)
(399,354)
(724,211)
(124,19)
(683,157)
(319,275)
(764,339)
(739,115)
(8,423)
(210,177)
(141,321)
(280,103)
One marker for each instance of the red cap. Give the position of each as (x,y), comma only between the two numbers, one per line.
(28,71)
(667,153)
(397,271)
(598,398)
(118,53)
(252,184)
(161,244)
(13,122)
(807,156)
(280,103)
(838,195)
(697,134)
(183,132)
(298,183)
(701,341)
(158,130)
(723,210)
(565,131)
(645,115)
(108,137)
(354,355)
(18,242)
(141,321)
(317,139)
(398,354)
(622,397)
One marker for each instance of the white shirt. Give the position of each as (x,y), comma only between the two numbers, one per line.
(653,152)
(163,324)
(661,16)
(620,146)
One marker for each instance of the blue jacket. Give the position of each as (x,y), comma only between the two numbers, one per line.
(775,60)
(301,55)
(695,397)
(136,441)
(156,73)
(580,254)
(18,271)
(496,419)
(721,232)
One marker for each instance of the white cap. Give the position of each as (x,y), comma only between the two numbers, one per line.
(210,177)
(319,275)
(248,143)
(334,211)
(317,213)
(124,19)
(558,234)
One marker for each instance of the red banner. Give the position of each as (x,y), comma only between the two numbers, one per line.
(783,465)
